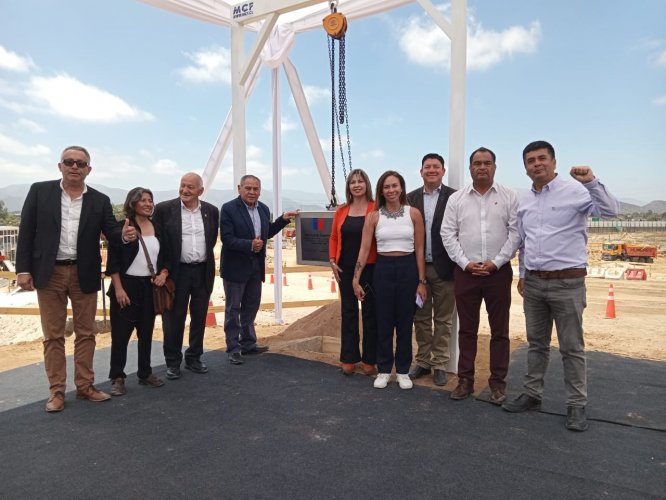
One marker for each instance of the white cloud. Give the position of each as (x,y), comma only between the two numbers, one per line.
(374,154)
(29,125)
(27,172)
(68,97)
(325,145)
(253,152)
(425,44)
(314,94)
(210,66)
(660,58)
(165,166)
(286,124)
(660,101)
(13,62)
(9,145)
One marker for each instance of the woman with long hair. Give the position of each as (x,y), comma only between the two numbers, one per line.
(344,246)
(399,275)
(131,291)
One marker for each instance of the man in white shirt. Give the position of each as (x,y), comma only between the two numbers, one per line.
(480,234)
(58,255)
(189,229)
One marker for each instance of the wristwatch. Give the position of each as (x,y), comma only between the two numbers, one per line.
(423,281)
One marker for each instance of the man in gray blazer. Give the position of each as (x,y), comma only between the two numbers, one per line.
(188,227)
(433,321)
(58,254)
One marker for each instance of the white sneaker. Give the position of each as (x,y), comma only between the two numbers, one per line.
(404,381)
(382,380)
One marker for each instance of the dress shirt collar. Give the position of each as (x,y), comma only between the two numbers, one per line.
(437,190)
(183,207)
(85,188)
(547,187)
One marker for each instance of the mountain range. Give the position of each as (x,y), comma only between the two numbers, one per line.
(13,197)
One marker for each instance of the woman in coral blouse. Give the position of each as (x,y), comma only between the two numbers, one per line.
(344,246)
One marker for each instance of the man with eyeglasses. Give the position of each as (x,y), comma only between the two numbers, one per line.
(58,255)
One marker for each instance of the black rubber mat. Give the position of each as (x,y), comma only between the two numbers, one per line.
(620,390)
(280,427)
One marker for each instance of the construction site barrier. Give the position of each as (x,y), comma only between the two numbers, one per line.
(635,274)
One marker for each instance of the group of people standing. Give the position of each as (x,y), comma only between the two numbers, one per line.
(414,258)
(58,255)
(410,258)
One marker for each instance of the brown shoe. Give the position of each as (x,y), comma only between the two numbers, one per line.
(151,381)
(348,368)
(91,393)
(463,390)
(369,370)
(497,396)
(56,402)
(118,386)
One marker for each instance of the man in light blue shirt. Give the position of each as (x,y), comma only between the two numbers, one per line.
(552,222)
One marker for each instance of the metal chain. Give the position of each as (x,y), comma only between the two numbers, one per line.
(331,58)
(344,112)
(339,112)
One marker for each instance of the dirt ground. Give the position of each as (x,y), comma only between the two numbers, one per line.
(637,331)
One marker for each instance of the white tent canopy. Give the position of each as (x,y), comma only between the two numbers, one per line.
(276,23)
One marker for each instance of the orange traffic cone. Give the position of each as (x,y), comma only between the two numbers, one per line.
(333,290)
(272,280)
(284,279)
(610,305)
(310,287)
(210,317)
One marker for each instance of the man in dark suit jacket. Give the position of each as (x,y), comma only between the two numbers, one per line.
(189,232)
(433,321)
(245,227)
(58,254)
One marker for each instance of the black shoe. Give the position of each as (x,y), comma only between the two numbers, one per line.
(257,349)
(197,366)
(524,402)
(236,358)
(576,420)
(418,372)
(439,377)
(173,373)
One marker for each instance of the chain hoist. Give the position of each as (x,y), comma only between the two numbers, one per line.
(335,25)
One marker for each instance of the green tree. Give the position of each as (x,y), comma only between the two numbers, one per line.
(118,212)
(6,218)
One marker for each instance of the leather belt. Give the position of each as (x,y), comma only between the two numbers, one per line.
(192,264)
(574,272)
(66,262)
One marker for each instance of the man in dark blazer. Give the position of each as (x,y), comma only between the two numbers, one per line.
(433,321)
(58,254)
(245,227)
(189,232)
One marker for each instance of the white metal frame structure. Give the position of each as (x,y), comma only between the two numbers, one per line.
(272,46)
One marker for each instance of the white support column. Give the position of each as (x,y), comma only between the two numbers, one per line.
(457,96)
(224,138)
(457,128)
(238,101)
(308,126)
(277,192)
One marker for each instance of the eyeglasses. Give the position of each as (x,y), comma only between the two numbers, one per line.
(78,163)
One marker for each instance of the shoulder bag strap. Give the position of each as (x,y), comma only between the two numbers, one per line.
(145,251)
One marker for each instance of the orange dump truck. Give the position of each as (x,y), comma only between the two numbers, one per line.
(633,252)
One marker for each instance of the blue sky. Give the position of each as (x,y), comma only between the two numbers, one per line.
(147,91)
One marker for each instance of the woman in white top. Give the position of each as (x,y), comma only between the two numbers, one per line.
(399,277)
(131,292)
